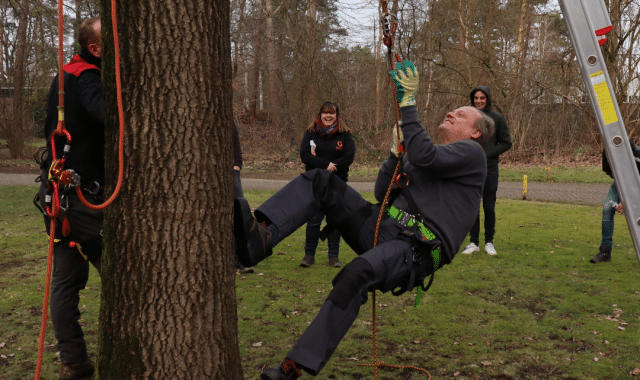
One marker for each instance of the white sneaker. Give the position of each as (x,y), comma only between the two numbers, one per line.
(471,248)
(490,249)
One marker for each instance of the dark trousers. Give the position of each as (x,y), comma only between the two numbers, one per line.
(313,236)
(237,185)
(71,272)
(383,268)
(489,207)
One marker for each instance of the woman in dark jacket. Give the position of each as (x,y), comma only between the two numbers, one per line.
(326,144)
(612,203)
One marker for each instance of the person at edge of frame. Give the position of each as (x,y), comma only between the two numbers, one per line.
(612,204)
(427,219)
(237,192)
(499,143)
(78,230)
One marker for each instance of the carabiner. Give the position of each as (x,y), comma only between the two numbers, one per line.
(398,177)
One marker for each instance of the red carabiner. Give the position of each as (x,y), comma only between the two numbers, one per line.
(397,180)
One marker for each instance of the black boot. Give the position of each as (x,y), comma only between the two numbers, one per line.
(287,370)
(253,239)
(604,256)
(77,371)
(239,267)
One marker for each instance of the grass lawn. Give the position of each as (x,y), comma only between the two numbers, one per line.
(537,310)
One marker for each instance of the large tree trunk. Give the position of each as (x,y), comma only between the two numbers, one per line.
(168,307)
(16,130)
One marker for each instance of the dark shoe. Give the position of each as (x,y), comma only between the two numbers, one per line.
(77,371)
(253,239)
(334,262)
(308,261)
(287,370)
(242,269)
(604,256)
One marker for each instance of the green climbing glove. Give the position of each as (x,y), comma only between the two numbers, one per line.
(394,138)
(405,77)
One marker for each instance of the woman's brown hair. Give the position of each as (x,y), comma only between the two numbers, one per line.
(329,107)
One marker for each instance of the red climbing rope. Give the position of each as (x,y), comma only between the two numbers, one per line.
(68,178)
(388,30)
(116,45)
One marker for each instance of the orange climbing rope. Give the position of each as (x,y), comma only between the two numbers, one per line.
(68,178)
(116,44)
(389,30)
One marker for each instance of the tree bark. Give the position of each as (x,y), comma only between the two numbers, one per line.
(16,130)
(255,70)
(168,306)
(274,110)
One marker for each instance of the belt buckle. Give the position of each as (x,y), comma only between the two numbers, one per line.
(405,219)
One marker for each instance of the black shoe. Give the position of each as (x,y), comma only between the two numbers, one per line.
(287,370)
(604,256)
(253,239)
(77,371)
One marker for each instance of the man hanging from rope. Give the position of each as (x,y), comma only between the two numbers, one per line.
(431,210)
(79,229)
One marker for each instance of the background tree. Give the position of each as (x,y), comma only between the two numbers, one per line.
(168,306)
(28,63)
(16,133)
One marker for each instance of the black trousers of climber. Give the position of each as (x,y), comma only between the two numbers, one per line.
(71,272)
(381,268)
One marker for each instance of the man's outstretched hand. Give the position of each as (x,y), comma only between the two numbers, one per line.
(405,77)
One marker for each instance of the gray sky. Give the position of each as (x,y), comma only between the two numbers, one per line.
(359,17)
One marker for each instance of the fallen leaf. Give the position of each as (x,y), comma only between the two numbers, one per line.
(636,372)
(355,358)
(485,363)
(3,344)
(256,344)
(456,374)
(595,359)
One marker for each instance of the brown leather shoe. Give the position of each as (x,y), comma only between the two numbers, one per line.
(307,261)
(334,262)
(77,371)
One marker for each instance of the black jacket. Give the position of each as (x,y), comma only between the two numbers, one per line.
(83,115)
(338,148)
(605,162)
(446,182)
(500,142)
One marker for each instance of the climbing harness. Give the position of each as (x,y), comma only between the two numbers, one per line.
(60,179)
(389,28)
